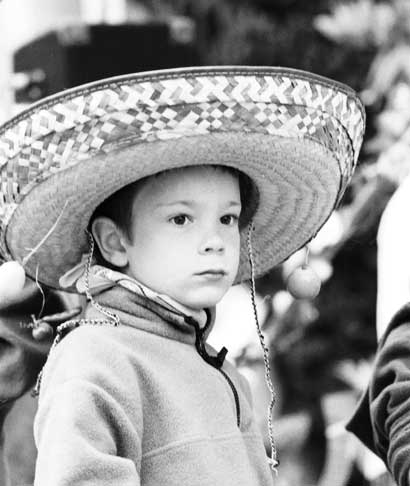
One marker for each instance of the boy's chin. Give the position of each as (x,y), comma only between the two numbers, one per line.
(203,302)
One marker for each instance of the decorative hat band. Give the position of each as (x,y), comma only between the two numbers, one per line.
(170,90)
(54,151)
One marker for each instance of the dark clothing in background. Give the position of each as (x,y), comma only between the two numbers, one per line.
(21,359)
(382,418)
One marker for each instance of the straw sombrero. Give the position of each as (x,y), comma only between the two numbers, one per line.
(296,135)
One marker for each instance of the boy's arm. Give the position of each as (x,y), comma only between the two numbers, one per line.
(382,420)
(88,427)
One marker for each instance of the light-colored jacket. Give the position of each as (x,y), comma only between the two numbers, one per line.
(137,404)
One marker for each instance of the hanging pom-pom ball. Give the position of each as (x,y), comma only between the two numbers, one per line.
(42,331)
(303,283)
(12,280)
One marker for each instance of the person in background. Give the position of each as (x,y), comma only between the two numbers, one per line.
(24,346)
(381,420)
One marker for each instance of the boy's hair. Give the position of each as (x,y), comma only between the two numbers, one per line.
(118,207)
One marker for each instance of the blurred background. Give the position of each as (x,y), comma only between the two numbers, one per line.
(321,351)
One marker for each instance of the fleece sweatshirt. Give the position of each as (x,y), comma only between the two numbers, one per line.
(144,403)
(382,418)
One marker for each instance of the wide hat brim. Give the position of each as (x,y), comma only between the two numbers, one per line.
(296,135)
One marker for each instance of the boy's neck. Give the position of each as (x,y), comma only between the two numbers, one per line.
(101,278)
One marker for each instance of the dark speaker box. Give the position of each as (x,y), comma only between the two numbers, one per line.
(79,54)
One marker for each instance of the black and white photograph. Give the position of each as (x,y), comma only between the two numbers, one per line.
(204,245)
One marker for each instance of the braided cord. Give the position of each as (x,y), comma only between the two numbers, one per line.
(113,317)
(73,323)
(60,331)
(273,461)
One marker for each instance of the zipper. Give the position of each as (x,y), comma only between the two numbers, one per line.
(235,395)
(215,361)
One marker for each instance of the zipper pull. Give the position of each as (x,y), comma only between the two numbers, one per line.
(215,361)
(220,357)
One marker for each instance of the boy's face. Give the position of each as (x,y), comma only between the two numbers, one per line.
(185,235)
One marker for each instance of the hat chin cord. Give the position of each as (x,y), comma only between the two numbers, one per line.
(73,323)
(273,460)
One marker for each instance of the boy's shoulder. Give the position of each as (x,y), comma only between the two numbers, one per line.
(86,351)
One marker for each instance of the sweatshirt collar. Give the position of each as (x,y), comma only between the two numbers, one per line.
(138,311)
(101,278)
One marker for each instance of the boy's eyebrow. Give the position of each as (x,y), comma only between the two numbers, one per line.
(173,203)
(184,202)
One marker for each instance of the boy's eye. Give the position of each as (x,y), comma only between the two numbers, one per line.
(229,219)
(180,219)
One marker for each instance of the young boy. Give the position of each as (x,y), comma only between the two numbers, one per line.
(152,194)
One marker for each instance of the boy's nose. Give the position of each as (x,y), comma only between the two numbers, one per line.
(212,244)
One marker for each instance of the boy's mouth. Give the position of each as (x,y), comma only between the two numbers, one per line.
(212,273)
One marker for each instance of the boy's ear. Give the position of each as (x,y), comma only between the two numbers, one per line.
(110,241)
